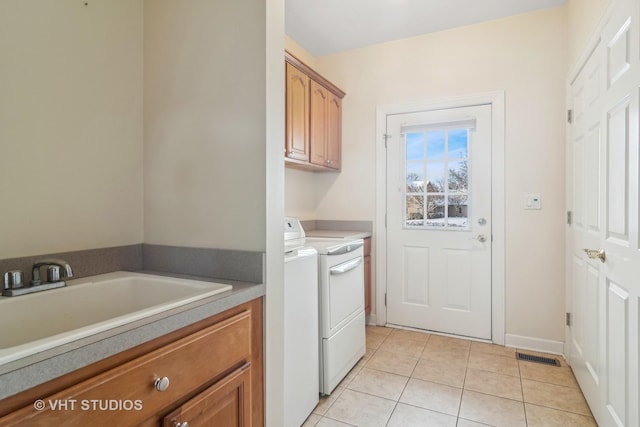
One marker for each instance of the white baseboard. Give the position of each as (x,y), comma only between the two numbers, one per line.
(371,319)
(535,344)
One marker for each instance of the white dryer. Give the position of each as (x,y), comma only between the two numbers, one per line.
(342,318)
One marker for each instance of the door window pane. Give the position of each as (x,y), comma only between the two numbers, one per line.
(437,186)
(415,211)
(458,208)
(415,177)
(458,143)
(435,211)
(435,144)
(435,177)
(458,176)
(415,146)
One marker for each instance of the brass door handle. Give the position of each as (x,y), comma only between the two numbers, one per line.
(596,254)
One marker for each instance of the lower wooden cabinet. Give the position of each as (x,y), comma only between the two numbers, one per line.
(226,403)
(367,276)
(208,374)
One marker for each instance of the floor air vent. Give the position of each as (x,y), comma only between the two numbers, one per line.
(537,359)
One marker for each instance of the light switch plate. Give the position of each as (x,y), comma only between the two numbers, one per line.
(532,201)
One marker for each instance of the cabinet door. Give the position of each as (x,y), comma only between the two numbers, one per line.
(318,124)
(227,403)
(334,132)
(297,114)
(367,285)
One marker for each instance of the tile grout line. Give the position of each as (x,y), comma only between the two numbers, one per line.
(464,381)
(524,404)
(405,385)
(553,384)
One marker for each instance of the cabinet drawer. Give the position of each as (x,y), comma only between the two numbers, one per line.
(127,393)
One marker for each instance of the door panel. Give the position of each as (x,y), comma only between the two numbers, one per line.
(592,180)
(618,52)
(617,369)
(459,280)
(439,220)
(416,276)
(616,173)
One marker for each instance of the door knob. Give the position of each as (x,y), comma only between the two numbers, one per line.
(480,238)
(596,254)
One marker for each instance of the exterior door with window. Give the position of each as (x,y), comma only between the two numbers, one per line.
(439,220)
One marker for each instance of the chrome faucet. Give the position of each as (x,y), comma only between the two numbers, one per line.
(56,270)
(53,274)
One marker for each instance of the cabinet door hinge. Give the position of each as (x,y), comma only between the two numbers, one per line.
(570,116)
(568,319)
(569,217)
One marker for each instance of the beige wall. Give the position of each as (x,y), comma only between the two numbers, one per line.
(274,302)
(205,112)
(299,52)
(70,125)
(526,57)
(582,18)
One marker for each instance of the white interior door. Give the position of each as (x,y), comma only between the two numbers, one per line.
(605,290)
(439,220)
(587,153)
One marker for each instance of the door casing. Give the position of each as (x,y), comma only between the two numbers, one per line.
(496,99)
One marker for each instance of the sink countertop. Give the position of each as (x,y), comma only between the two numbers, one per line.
(36,369)
(338,234)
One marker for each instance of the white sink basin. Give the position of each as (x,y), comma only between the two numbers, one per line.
(43,320)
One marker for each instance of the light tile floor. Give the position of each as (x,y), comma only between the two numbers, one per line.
(412,378)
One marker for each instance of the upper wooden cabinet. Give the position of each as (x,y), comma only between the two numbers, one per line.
(297,140)
(313,119)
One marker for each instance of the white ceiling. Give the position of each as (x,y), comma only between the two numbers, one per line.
(323,27)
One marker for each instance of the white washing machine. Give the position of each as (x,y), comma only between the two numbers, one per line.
(301,352)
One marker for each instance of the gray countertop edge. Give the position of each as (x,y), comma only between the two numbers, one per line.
(31,371)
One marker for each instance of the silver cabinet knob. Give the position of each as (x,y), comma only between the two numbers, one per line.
(161,384)
(181,424)
(596,254)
